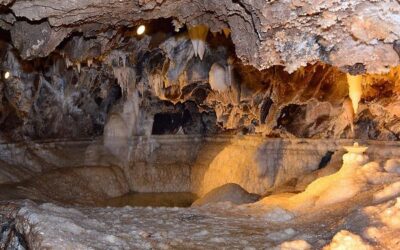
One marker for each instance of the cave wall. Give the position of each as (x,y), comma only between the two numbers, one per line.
(83,74)
(170,163)
(46,99)
(130,88)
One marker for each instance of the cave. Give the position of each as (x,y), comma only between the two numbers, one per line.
(167,123)
(192,124)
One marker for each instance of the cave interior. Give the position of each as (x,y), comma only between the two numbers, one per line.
(160,124)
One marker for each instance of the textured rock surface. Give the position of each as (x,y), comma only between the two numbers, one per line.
(78,70)
(87,64)
(355,223)
(257,165)
(77,185)
(181,163)
(363,200)
(166,90)
(265,33)
(227,193)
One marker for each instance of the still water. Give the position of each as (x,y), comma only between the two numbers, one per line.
(178,199)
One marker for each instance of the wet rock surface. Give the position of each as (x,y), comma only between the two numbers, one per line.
(230,192)
(362,200)
(52,226)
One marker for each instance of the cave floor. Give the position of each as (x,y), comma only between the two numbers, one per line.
(222,226)
(57,209)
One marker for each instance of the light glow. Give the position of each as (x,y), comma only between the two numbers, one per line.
(355,90)
(7,75)
(141,29)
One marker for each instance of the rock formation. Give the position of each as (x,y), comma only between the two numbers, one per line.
(289,33)
(229,192)
(102,100)
(261,67)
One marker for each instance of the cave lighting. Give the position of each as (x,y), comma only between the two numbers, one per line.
(355,90)
(140,30)
(7,75)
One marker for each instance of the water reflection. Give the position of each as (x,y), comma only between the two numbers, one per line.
(176,199)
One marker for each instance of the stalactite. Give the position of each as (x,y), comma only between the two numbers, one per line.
(198,35)
(226,32)
(125,77)
(117,58)
(68,63)
(90,62)
(355,90)
(157,84)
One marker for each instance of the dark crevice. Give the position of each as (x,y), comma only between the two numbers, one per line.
(167,123)
(264,111)
(10,238)
(325,159)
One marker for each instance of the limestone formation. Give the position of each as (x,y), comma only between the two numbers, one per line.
(229,192)
(113,110)
(209,73)
(290,33)
(198,35)
(355,90)
(217,78)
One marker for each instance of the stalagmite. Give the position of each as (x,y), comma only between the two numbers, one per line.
(217,78)
(199,124)
(355,90)
(198,35)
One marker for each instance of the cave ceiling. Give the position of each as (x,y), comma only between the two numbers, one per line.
(276,68)
(291,33)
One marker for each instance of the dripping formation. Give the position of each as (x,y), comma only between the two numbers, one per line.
(199,124)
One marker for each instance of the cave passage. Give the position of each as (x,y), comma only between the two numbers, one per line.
(167,123)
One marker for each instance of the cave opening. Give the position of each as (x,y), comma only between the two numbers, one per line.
(167,123)
(174,124)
